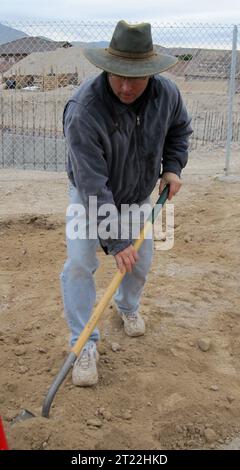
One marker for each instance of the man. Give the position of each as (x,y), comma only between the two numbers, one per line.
(125,128)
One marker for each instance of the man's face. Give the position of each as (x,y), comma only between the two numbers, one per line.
(127,89)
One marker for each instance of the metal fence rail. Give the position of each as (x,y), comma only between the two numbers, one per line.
(40,70)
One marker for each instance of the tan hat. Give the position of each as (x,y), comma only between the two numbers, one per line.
(130,53)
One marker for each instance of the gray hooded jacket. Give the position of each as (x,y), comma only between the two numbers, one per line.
(116,151)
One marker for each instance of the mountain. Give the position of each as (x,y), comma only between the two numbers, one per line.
(90,44)
(8,34)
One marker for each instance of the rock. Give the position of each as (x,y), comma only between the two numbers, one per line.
(227,406)
(107,415)
(101,349)
(27,328)
(97,423)
(174,352)
(42,350)
(52,335)
(210,435)
(204,344)
(20,350)
(190,428)
(230,398)
(24,340)
(23,369)
(107,360)
(115,347)
(178,428)
(11,387)
(127,415)
(215,388)
(20,361)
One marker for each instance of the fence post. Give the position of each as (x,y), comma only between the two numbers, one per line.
(231,93)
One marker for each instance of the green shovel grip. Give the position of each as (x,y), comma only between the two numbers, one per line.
(159,204)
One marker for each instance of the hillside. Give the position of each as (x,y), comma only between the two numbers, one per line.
(8,34)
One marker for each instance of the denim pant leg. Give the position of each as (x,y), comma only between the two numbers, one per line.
(77,281)
(127,297)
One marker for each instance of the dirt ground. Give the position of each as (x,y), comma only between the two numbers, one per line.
(177,387)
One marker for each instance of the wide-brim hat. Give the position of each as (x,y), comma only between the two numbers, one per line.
(130,53)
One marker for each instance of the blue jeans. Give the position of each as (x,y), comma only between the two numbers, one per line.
(77,280)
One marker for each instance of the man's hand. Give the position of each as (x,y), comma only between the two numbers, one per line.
(174,182)
(126,259)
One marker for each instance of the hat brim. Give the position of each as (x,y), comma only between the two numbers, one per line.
(102,59)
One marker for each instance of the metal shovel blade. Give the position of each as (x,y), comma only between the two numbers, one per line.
(23,415)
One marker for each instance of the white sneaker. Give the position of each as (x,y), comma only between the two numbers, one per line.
(134,324)
(85,372)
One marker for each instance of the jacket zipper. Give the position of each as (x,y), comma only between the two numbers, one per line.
(138,150)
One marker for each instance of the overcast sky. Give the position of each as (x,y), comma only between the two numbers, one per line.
(212,11)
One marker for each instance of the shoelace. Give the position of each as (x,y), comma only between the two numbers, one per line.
(85,358)
(132,316)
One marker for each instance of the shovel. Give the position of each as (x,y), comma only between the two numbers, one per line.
(72,356)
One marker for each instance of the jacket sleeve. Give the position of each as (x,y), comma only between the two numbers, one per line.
(90,170)
(175,151)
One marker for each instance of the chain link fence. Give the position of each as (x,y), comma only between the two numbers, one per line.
(42,63)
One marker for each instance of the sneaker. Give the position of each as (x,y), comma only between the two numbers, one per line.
(85,372)
(134,324)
